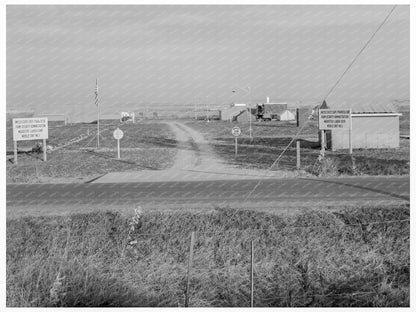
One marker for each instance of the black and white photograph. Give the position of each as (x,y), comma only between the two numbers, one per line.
(206,155)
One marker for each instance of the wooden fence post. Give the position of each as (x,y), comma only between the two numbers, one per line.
(188,277)
(252,275)
(297,154)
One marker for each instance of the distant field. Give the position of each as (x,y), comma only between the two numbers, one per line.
(271,138)
(145,145)
(348,257)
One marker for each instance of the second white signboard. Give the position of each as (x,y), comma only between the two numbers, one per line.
(330,119)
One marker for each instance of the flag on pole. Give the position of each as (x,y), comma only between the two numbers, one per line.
(96,92)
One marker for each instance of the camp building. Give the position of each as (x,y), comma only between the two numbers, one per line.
(374,125)
(230,113)
(245,116)
(275,111)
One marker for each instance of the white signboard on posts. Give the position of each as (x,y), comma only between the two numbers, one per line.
(334,119)
(30,128)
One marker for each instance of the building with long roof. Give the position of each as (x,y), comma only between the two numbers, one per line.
(375,124)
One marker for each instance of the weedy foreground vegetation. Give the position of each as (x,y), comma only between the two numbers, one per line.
(271,139)
(348,257)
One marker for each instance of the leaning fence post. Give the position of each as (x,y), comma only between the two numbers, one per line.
(252,276)
(188,277)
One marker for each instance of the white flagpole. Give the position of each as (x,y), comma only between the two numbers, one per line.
(98,113)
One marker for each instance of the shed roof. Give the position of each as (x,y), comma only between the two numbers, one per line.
(245,116)
(231,112)
(275,108)
(363,106)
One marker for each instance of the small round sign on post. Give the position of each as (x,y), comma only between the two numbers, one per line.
(118,134)
(236,131)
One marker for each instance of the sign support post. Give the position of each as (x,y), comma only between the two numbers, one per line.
(118,134)
(118,148)
(322,142)
(15,152)
(44,149)
(235,131)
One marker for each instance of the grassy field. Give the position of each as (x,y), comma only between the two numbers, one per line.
(145,145)
(271,139)
(339,258)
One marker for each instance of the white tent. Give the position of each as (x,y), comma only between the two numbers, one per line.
(287,116)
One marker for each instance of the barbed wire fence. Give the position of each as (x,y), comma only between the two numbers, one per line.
(202,251)
(253,263)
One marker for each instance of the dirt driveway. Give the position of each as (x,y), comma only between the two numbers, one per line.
(194,151)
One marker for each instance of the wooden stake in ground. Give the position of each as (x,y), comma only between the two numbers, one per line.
(188,277)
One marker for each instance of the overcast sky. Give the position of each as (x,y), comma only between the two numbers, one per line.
(186,54)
